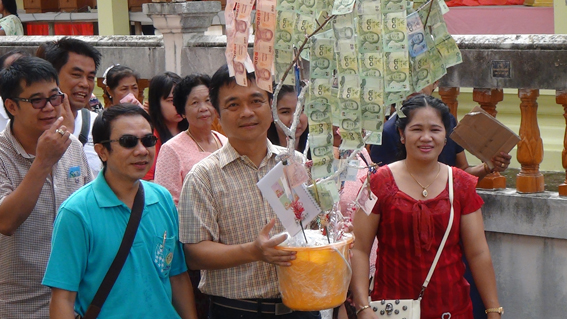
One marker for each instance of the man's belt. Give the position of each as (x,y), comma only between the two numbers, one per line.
(266,306)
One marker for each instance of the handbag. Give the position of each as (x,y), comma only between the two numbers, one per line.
(112,274)
(410,308)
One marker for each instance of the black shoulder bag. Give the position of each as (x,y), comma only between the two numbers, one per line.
(84,136)
(120,259)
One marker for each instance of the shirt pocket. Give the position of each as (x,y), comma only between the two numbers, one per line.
(164,249)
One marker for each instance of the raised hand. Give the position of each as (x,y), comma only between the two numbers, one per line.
(264,247)
(67,113)
(52,144)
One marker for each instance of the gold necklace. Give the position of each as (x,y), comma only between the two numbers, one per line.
(424,192)
(198,145)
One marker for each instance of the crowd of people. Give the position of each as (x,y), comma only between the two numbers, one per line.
(151,210)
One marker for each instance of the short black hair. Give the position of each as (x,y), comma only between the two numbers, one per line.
(10,6)
(184,88)
(417,102)
(103,123)
(58,53)
(10,53)
(115,73)
(29,69)
(222,78)
(160,87)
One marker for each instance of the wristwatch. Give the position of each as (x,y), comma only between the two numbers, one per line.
(498,310)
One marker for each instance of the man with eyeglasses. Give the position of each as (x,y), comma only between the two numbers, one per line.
(76,62)
(42,165)
(89,227)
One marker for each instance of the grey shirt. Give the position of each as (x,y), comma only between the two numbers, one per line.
(24,255)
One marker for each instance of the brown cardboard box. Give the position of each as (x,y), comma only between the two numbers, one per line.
(484,136)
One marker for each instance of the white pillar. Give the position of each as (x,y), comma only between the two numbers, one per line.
(178,23)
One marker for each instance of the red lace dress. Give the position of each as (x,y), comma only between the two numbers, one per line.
(409,235)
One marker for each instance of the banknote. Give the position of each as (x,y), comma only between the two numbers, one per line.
(243,11)
(304,26)
(268,6)
(396,72)
(322,151)
(416,35)
(395,97)
(349,92)
(320,115)
(421,75)
(371,64)
(322,63)
(347,61)
(286,5)
(394,6)
(282,60)
(351,125)
(375,138)
(351,140)
(444,8)
(265,28)
(263,63)
(321,88)
(343,26)
(368,7)
(320,140)
(373,121)
(440,32)
(369,38)
(436,64)
(307,7)
(320,128)
(395,31)
(450,52)
(371,94)
(432,16)
(240,73)
(341,7)
(285,24)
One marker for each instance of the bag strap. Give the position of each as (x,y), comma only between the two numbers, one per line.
(121,256)
(449,226)
(86,116)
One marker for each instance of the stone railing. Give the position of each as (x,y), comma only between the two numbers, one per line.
(528,63)
(526,232)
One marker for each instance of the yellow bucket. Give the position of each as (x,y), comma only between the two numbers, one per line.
(318,278)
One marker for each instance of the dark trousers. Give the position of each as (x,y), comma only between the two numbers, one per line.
(220,312)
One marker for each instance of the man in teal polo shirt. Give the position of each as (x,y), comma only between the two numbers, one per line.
(90,225)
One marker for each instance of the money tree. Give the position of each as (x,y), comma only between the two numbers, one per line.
(359,58)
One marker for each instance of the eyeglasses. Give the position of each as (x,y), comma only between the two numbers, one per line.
(41,102)
(130,141)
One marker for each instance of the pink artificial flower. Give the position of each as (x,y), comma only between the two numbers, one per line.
(298,209)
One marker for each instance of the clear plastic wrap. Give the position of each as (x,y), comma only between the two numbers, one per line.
(320,275)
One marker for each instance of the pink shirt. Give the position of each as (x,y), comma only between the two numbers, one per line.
(176,158)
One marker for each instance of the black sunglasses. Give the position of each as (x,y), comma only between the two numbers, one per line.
(130,141)
(41,102)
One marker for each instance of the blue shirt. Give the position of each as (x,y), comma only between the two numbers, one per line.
(387,153)
(87,233)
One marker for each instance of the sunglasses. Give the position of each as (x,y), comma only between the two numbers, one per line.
(130,141)
(41,102)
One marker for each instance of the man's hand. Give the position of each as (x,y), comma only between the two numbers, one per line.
(264,247)
(501,162)
(67,113)
(52,144)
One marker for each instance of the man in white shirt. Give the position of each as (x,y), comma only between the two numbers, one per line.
(76,62)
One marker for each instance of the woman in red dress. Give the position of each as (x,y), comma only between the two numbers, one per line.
(410,218)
